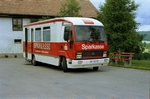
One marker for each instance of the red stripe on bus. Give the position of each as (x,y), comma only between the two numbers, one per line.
(87,21)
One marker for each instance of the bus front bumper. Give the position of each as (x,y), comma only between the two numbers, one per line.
(87,63)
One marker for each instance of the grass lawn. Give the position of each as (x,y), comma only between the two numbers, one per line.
(136,64)
(141,64)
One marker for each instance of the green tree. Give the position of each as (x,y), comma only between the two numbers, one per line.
(148,47)
(70,8)
(144,44)
(118,17)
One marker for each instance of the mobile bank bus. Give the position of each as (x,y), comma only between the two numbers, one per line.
(69,42)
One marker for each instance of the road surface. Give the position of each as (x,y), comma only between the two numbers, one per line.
(21,80)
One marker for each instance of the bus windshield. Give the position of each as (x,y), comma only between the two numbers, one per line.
(90,33)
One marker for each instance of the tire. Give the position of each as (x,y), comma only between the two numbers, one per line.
(64,65)
(95,68)
(34,62)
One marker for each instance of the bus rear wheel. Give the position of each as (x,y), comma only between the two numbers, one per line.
(34,62)
(64,65)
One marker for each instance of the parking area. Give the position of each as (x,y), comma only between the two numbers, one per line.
(20,80)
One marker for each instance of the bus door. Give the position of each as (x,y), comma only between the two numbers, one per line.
(28,43)
(32,31)
(68,34)
(68,30)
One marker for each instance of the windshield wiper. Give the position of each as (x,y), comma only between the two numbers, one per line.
(99,40)
(91,40)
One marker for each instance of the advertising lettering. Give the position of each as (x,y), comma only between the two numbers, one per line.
(43,46)
(86,47)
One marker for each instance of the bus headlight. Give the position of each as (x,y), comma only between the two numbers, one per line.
(105,54)
(79,55)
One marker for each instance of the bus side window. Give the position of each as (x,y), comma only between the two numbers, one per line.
(46,33)
(38,34)
(28,37)
(68,33)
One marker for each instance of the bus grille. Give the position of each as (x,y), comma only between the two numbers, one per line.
(92,54)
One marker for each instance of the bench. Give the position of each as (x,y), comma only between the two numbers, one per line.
(126,57)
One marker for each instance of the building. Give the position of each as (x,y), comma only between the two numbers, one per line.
(16,13)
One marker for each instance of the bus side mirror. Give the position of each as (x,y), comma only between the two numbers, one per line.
(66,36)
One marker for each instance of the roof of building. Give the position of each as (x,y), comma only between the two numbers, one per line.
(42,7)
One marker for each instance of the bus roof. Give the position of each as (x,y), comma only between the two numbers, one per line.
(83,21)
(73,20)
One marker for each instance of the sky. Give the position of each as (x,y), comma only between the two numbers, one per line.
(143,13)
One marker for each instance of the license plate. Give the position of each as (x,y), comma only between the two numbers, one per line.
(94,61)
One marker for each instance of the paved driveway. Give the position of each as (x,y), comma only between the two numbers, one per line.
(21,80)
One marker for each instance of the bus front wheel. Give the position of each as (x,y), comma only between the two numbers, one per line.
(64,65)
(95,68)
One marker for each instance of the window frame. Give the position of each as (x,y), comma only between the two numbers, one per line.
(16,26)
(38,30)
(45,29)
(17,41)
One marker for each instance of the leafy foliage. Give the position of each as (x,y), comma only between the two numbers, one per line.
(70,8)
(45,18)
(142,56)
(146,46)
(118,17)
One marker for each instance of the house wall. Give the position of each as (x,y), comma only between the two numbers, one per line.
(7,36)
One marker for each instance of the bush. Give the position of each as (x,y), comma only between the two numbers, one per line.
(142,56)
(15,56)
(6,56)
